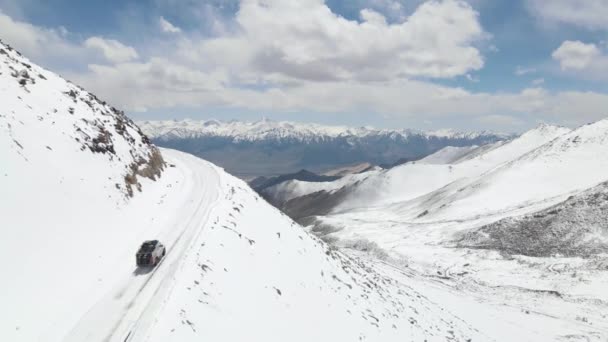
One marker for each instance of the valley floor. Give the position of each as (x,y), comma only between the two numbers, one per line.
(506,297)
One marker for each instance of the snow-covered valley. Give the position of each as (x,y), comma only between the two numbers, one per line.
(517,226)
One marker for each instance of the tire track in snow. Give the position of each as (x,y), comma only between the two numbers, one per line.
(136,330)
(118,315)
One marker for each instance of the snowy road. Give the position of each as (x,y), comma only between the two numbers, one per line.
(128,309)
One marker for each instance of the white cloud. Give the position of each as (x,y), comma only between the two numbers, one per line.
(304,40)
(167,27)
(38,42)
(589,14)
(471,78)
(538,81)
(520,71)
(158,83)
(576,55)
(113,50)
(500,120)
(161,84)
(299,56)
(582,60)
(373,17)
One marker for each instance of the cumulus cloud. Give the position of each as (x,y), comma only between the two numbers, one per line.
(113,50)
(589,14)
(538,81)
(586,60)
(167,27)
(305,40)
(576,55)
(161,84)
(500,120)
(520,71)
(300,56)
(158,83)
(38,42)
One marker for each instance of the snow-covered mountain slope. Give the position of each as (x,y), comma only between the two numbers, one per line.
(285,191)
(236,269)
(447,155)
(462,225)
(570,163)
(575,227)
(35,101)
(352,169)
(255,269)
(412,180)
(286,147)
(260,184)
(398,185)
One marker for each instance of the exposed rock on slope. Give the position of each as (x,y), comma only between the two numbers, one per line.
(576,227)
(302,175)
(35,100)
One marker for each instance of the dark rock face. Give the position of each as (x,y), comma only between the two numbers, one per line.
(575,227)
(261,183)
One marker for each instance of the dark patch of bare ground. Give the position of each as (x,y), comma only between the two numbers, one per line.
(306,209)
(315,204)
(577,227)
(98,135)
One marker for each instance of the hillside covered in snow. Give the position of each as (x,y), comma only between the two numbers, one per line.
(575,227)
(519,223)
(270,148)
(82,187)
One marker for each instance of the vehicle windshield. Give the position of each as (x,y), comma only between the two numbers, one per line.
(147,247)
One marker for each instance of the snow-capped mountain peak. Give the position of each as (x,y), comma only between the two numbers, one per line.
(277,130)
(290,146)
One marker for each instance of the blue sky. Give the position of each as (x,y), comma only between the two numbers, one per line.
(501,65)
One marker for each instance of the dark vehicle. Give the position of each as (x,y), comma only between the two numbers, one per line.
(150,253)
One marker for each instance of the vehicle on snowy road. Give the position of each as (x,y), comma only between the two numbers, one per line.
(150,253)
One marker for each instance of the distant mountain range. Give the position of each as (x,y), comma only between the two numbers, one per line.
(286,147)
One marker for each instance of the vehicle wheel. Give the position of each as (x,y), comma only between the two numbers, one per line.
(164,252)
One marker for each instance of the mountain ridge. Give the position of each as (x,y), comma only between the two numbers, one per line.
(279,130)
(269,148)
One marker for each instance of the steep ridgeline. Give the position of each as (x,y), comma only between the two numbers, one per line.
(269,148)
(35,101)
(236,269)
(261,183)
(405,182)
(74,176)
